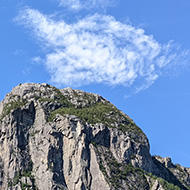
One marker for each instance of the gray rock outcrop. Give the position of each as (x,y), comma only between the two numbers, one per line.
(53,139)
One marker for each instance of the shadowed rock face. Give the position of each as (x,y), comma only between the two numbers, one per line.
(53,139)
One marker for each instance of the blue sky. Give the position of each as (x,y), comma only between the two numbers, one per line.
(133,53)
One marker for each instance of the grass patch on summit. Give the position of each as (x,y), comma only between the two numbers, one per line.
(106,114)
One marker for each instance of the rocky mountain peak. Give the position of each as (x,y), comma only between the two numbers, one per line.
(69,139)
(29,91)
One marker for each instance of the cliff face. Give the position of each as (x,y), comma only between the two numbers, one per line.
(53,139)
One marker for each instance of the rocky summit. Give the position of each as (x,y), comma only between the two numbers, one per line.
(65,139)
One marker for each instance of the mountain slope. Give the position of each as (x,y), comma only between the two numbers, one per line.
(70,139)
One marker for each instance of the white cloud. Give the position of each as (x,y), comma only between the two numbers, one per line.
(85,4)
(99,49)
(37,60)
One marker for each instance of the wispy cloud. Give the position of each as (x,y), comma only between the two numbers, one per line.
(85,4)
(37,60)
(99,49)
(18,52)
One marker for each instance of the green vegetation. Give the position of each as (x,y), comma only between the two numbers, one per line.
(94,144)
(182,174)
(46,100)
(122,171)
(166,185)
(99,113)
(59,98)
(50,166)
(25,173)
(11,106)
(95,114)
(34,133)
(89,98)
(92,111)
(62,99)
(115,172)
(25,186)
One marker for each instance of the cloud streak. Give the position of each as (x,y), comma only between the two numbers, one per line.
(78,5)
(99,49)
